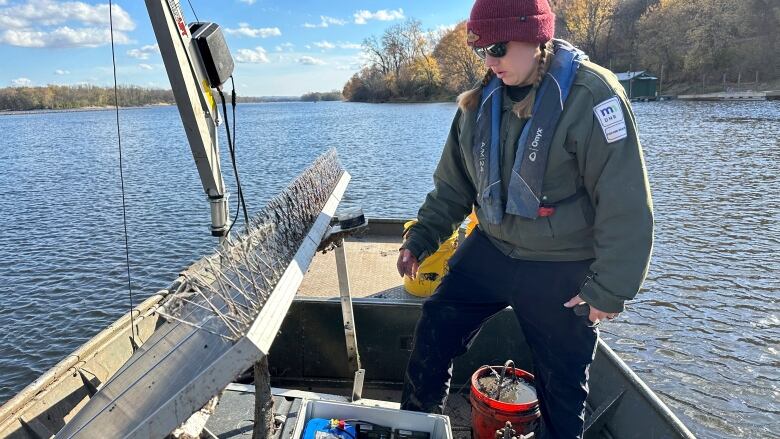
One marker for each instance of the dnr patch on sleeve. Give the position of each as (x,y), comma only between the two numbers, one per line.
(610,116)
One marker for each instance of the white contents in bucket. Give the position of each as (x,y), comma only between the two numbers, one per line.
(516,391)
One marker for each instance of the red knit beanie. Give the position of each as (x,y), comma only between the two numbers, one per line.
(495,21)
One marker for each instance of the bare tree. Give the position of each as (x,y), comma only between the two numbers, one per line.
(376,54)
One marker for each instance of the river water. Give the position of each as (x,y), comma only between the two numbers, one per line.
(704,333)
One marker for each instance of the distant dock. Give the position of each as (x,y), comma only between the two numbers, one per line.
(734,96)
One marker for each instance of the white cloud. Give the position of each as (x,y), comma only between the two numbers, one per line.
(324,45)
(249,2)
(10,22)
(61,72)
(21,82)
(326,21)
(308,60)
(146,66)
(362,16)
(349,46)
(54,23)
(256,56)
(54,12)
(284,46)
(327,45)
(246,31)
(62,37)
(144,52)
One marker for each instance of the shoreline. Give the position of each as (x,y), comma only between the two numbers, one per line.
(731,96)
(78,109)
(111,107)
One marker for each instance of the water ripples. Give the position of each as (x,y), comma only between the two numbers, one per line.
(704,333)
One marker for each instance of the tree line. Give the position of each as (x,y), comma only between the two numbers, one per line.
(334,95)
(62,97)
(684,42)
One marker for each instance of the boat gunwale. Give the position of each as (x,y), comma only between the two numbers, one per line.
(13,408)
(644,390)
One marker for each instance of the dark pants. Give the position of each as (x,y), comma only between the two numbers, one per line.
(481,282)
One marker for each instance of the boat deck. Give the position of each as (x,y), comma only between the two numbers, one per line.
(370,265)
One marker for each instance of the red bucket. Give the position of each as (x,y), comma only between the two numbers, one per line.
(489,415)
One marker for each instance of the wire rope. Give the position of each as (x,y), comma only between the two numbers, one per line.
(121,174)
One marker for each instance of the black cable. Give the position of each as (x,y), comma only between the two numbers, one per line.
(232,157)
(233,103)
(121,172)
(193,11)
(235,130)
(231,147)
(235,217)
(238,190)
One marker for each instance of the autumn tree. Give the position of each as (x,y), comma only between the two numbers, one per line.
(401,66)
(460,67)
(589,23)
(368,85)
(695,39)
(419,79)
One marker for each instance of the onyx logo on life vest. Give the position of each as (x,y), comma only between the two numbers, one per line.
(610,116)
(535,145)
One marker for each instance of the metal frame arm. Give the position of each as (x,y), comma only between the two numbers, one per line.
(197,108)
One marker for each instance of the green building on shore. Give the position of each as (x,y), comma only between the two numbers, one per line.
(639,85)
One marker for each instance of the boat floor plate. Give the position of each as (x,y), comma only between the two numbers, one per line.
(371,267)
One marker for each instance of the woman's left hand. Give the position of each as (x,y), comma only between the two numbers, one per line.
(596,315)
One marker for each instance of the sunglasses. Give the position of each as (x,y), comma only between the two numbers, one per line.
(495,50)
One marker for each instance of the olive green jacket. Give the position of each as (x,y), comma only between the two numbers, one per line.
(612,225)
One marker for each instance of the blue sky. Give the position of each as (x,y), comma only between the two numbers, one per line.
(280,47)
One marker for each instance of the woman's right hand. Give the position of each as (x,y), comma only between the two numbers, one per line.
(407,264)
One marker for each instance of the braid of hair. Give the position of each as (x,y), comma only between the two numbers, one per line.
(542,68)
(469,100)
(523,109)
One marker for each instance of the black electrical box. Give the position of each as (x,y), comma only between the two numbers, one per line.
(373,431)
(213,51)
(409,434)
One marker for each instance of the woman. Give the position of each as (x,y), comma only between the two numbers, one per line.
(546,150)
